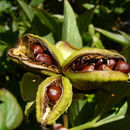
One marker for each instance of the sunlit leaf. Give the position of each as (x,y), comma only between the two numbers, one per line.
(10,112)
(27,9)
(70,32)
(119,10)
(59,17)
(4,5)
(3,121)
(36,2)
(96,9)
(88,6)
(91,29)
(97,42)
(115,37)
(14,26)
(29,85)
(29,108)
(125,35)
(2,29)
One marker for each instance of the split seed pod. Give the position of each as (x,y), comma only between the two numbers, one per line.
(49,105)
(65,48)
(37,54)
(88,68)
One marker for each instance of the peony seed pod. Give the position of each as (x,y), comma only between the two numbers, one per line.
(75,65)
(37,54)
(51,102)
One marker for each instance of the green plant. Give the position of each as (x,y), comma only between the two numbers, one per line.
(33,18)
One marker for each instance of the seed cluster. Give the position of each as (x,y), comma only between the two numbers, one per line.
(40,55)
(103,64)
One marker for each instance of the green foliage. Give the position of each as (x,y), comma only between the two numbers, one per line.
(27,9)
(100,24)
(49,21)
(4,6)
(70,31)
(126,53)
(123,39)
(10,112)
(36,2)
(28,86)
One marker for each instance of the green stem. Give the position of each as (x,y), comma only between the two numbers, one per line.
(65,119)
(84,126)
(87,125)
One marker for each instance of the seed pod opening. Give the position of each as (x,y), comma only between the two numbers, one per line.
(37,53)
(54,96)
(89,67)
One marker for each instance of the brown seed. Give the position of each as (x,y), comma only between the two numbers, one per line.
(104,67)
(54,93)
(44,58)
(122,66)
(37,49)
(88,68)
(111,63)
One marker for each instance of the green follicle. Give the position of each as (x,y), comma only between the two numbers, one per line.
(77,68)
(78,60)
(50,106)
(65,48)
(46,105)
(24,55)
(47,110)
(81,62)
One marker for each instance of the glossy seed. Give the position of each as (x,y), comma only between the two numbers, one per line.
(37,49)
(111,63)
(122,66)
(44,58)
(54,93)
(104,67)
(88,68)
